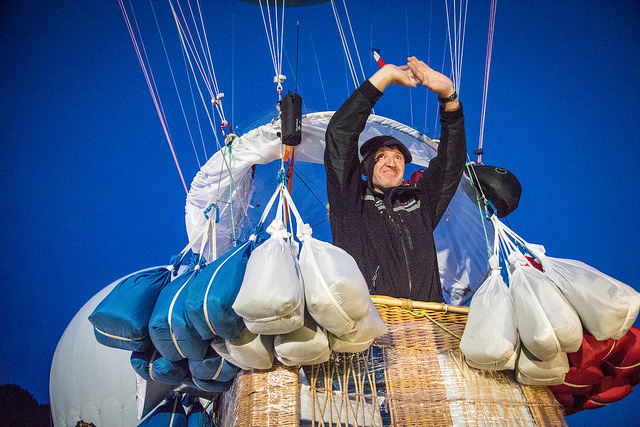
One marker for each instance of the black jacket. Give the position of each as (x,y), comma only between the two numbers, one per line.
(390,235)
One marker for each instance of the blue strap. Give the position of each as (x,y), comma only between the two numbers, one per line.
(487,204)
(211,206)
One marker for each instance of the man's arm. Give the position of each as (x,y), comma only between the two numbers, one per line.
(441,179)
(344,174)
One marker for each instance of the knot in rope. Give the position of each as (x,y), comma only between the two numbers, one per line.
(282,176)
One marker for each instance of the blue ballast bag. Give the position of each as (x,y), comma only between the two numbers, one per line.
(170,329)
(121,320)
(152,367)
(213,367)
(212,292)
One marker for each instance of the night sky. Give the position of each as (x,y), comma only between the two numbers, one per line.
(89,191)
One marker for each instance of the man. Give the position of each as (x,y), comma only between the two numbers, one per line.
(386,226)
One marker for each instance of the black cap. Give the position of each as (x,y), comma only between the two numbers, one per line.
(372,145)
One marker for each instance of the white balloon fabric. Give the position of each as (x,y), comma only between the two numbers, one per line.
(460,236)
(90,381)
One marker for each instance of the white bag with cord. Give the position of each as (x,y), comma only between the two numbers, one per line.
(490,339)
(606,306)
(271,298)
(336,293)
(307,345)
(254,351)
(532,371)
(364,332)
(547,324)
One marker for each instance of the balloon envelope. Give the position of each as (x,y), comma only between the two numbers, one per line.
(89,381)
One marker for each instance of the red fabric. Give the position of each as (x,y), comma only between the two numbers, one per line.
(534,262)
(609,368)
(607,391)
(625,358)
(579,381)
(592,352)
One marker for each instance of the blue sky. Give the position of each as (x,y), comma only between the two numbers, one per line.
(89,190)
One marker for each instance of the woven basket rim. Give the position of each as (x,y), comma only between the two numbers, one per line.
(418,305)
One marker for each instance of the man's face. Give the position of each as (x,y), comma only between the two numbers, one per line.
(388,170)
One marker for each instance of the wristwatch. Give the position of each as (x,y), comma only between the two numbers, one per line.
(450,98)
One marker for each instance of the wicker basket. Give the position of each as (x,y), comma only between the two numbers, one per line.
(414,375)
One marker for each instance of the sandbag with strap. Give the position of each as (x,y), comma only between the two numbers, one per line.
(533,371)
(271,298)
(151,366)
(252,350)
(362,335)
(606,306)
(121,320)
(335,291)
(307,345)
(211,294)
(490,339)
(213,367)
(547,324)
(170,329)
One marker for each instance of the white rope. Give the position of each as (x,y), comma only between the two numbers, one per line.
(175,86)
(199,59)
(353,37)
(458,20)
(276,41)
(315,54)
(345,46)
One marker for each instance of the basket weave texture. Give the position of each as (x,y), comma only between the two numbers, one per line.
(414,375)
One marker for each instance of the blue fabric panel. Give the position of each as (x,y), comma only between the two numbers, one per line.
(169,414)
(216,287)
(188,342)
(140,361)
(211,386)
(213,367)
(122,344)
(168,372)
(124,313)
(197,417)
(152,367)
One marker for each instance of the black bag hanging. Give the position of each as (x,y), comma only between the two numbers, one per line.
(291,119)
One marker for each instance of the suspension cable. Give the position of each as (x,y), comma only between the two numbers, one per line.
(345,46)
(148,75)
(276,41)
(198,53)
(487,68)
(456,43)
(175,86)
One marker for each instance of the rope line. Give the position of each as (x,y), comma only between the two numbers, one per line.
(345,46)
(456,43)
(487,68)
(175,86)
(148,75)
(276,41)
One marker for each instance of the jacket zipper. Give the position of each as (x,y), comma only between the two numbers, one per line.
(374,278)
(402,241)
